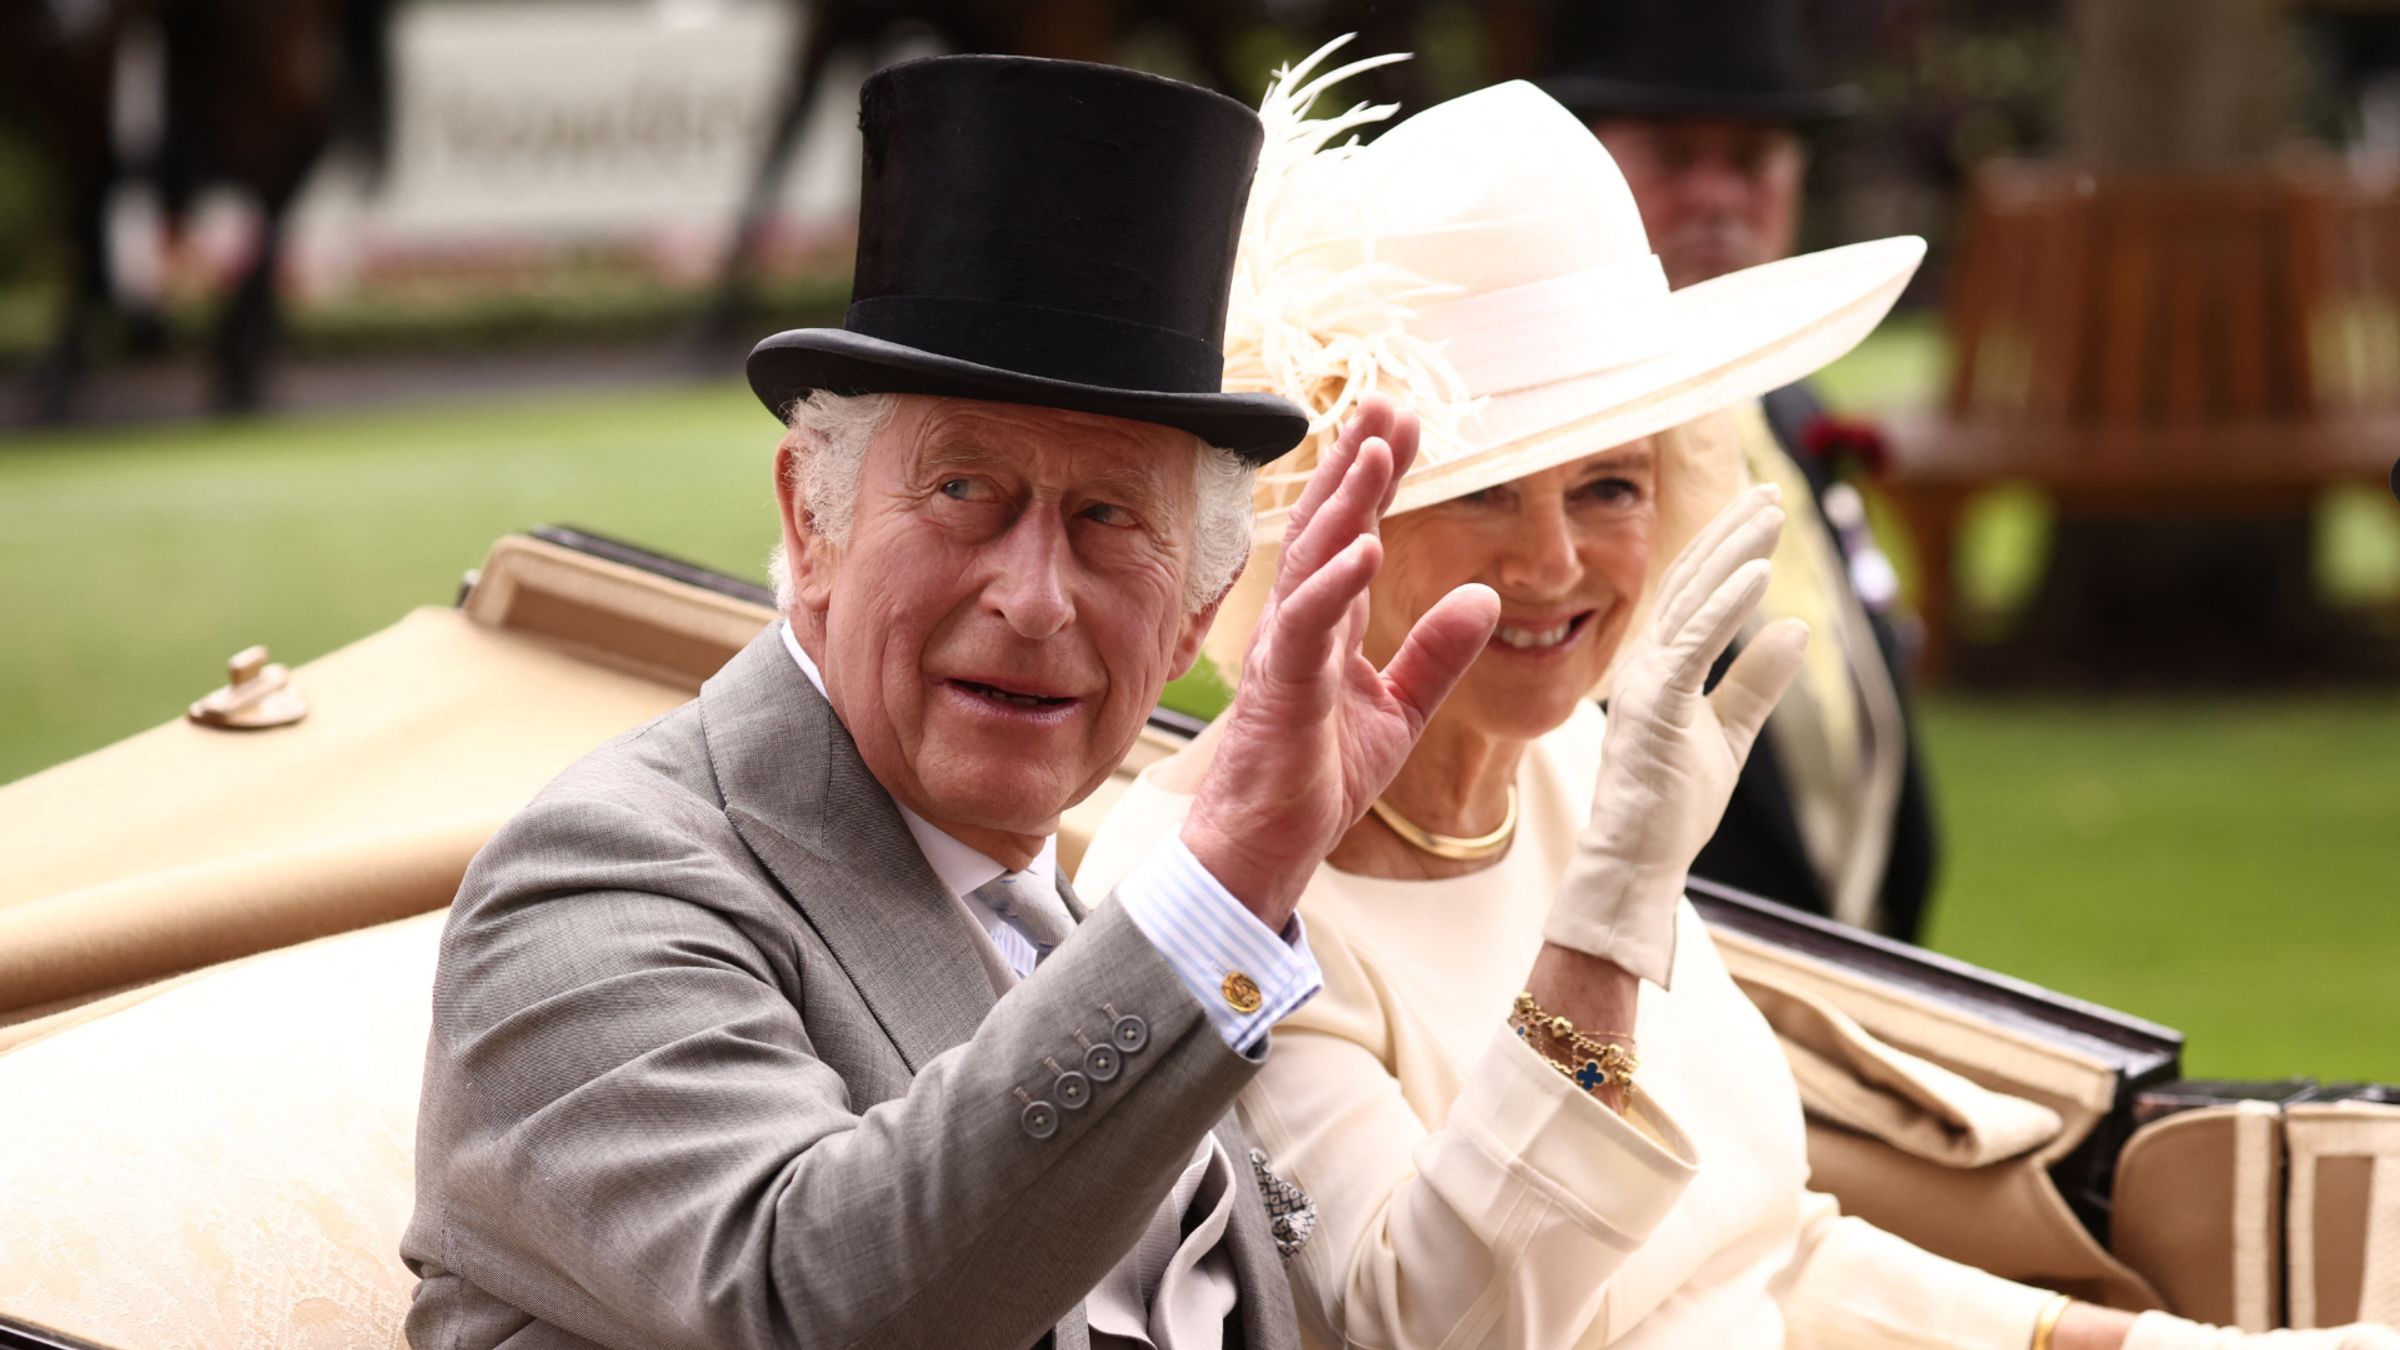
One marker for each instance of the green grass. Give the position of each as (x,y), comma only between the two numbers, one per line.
(1899,366)
(132,563)
(2229,868)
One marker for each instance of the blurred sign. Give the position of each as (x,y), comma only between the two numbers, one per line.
(525,125)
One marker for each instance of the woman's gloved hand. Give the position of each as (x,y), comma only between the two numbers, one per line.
(2159,1331)
(1671,754)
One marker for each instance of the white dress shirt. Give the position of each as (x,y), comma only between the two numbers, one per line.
(1196,924)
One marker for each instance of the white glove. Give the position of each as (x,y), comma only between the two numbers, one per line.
(1671,754)
(2159,1331)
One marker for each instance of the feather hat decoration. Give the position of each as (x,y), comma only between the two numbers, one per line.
(1315,315)
(1484,262)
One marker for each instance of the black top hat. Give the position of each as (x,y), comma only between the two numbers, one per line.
(1692,58)
(1044,232)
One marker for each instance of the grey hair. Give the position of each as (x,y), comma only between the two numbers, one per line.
(1225,486)
(829,437)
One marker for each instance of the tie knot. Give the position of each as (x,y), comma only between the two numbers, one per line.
(1027,901)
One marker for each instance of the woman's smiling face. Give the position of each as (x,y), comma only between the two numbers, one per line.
(1568,549)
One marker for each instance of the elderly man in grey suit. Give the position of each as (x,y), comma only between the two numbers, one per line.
(770,1023)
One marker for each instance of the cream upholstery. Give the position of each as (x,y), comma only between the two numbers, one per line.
(2199,1211)
(1965,1173)
(2342,1225)
(1851,1079)
(227,1163)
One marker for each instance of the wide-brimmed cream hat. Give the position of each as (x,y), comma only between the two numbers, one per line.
(1484,263)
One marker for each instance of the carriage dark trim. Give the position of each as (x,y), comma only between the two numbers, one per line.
(16,1335)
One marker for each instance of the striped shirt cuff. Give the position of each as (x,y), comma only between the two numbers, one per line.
(1209,939)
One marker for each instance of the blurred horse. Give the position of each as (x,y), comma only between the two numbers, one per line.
(251,94)
(1212,33)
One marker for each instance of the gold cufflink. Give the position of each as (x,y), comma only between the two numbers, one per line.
(1241,993)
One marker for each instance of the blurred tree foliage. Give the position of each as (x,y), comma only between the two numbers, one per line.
(1950,84)
(20,197)
(25,223)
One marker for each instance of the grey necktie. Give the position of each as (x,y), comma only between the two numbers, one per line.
(1028,903)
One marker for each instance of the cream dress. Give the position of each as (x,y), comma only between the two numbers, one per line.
(1467,1195)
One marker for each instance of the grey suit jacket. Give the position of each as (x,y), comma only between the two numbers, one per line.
(715,1063)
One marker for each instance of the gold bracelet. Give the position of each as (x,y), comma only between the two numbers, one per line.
(1585,1043)
(1591,1075)
(1532,1012)
(2047,1323)
(1591,1064)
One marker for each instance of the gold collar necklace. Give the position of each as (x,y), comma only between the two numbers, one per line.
(1451,846)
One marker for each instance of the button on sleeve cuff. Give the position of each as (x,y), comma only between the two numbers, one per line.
(1244,975)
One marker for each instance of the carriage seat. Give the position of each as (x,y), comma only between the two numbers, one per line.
(225,1157)
(228,1162)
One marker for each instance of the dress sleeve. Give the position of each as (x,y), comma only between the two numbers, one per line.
(1501,1226)
(1854,1286)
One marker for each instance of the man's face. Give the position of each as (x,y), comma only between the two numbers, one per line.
(1716,195)
(1011,602)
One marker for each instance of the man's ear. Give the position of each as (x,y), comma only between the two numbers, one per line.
(808,554)
(1197,623)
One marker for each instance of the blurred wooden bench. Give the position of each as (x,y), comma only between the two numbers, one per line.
(2158,344)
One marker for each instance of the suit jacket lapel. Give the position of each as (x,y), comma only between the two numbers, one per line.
(1264,1310)
(802,800)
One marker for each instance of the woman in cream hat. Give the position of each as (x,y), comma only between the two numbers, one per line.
(1449,1168)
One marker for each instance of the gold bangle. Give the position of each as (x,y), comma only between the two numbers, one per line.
(2047,1323)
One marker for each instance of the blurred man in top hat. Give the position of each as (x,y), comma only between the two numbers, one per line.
(771,1023)
(1705,105)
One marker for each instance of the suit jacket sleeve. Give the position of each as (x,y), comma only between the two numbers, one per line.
(630,1133)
